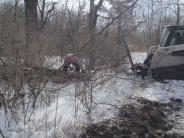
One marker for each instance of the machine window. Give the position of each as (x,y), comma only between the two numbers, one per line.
(177,38)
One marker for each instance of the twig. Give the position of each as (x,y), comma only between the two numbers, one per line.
(110,105)
(2,134)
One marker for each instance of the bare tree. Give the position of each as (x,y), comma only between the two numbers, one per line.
(178,12)
(45,14)
(31,20)
(93,16)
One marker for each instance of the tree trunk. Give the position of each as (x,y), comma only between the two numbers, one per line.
(178,13)
(91,34)
(31,21)
(31,26)
(42,12)
(93,15)
(119,32)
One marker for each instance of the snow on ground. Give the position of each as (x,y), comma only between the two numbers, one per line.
(107,98)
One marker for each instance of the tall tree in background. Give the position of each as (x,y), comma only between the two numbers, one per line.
(31,20)
(93,16)
(178,12)
(45,11)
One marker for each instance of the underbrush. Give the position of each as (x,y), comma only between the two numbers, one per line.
(147,119)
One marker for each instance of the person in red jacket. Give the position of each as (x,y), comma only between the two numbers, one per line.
(71,59)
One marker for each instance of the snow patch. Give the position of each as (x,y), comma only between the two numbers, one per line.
(63,120)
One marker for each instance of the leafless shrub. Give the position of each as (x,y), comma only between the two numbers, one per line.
(24,79)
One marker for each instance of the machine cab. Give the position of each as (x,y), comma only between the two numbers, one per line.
(170,51)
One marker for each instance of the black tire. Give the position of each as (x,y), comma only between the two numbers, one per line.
(77,67)
(172,75)
(65,68)
(158,75)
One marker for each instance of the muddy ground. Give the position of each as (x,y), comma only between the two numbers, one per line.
(143,119)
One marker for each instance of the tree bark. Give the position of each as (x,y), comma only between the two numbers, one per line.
(93,16)
(178,13)
(31,21)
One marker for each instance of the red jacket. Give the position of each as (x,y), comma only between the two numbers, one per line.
(71,59)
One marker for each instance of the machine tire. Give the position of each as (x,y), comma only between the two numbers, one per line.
(162,75)
(66,67)
(158,75)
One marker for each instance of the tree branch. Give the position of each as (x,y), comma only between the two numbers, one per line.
(111,22)
(47,15)
(2,134)
(117,17)
(98,6)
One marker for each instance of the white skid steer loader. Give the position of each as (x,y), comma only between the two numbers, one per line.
(166,61)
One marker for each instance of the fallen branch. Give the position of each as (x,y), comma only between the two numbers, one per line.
(2,134)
